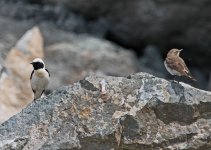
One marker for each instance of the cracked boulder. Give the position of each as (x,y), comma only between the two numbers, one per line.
(137,112)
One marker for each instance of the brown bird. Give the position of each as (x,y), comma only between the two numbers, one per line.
(175,65)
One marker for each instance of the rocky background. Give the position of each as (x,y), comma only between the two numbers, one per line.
(147,28)
(77,39)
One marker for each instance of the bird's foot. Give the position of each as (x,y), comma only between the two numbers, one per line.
(175,82)
(35,101)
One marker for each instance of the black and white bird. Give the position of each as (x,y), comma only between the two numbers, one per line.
(40,78)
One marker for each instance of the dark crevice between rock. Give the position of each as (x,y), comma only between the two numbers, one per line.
(98,143)
(178,140)
(109,142)
(161,145)
(177,112)
(204,109)
(130,127)
(87,85)
(137,147)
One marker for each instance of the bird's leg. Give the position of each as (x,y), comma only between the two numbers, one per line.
(35,101)
(174,79)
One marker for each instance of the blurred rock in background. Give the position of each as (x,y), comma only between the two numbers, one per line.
(11,31)
(132,24)
(84,55)
(152,62)
(209,84)
(15,88)
(138,23)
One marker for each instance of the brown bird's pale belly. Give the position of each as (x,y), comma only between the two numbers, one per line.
(171,71)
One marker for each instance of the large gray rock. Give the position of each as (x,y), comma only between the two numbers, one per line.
(138,112)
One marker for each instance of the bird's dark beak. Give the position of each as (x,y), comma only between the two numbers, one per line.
(31,63)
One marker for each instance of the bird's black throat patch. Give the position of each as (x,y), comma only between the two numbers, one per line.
(37,65)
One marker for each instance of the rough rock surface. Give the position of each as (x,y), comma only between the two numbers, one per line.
(15,88)
(84,55)
(138,112)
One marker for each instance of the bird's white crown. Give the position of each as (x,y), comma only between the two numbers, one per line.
(38,60)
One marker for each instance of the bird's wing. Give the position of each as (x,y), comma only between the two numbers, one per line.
(182,64)
(179,65)
(186,70)
(31,79)
(48,72)
(175,64)
(31,74)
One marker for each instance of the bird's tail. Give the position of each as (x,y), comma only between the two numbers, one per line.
(189,75)
(192,77)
